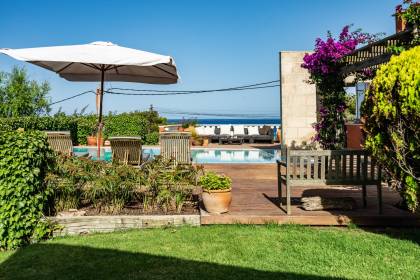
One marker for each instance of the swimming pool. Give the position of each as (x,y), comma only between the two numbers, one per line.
(200,155)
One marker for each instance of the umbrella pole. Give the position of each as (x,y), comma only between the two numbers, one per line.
(100,124)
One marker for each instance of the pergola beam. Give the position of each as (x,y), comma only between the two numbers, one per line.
(373,55)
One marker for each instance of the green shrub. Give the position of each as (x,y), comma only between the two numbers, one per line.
(41,123)
(24,159)
(392,112)
(81,182)
(143,124)
(213,181)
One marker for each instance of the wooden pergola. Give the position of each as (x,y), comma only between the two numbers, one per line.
(373,55)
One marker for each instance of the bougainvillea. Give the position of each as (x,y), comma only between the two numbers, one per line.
(392,122)
(324,68)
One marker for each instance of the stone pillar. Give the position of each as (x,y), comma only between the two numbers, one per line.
(297,99)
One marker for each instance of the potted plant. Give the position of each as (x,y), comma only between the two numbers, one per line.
(407,15)
(217,194)
(91,139)
(196,140)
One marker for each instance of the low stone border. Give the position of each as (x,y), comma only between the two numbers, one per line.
(88,224)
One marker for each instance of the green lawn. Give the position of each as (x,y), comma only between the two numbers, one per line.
(222,252)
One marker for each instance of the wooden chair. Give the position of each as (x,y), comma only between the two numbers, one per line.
(325,168)
(176,146)
(60,142)
(126,150)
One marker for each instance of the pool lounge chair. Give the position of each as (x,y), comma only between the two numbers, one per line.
(239,132)
(265,134)
(60,142)
(126,150)
(225,133)
(176,146)
(215,136)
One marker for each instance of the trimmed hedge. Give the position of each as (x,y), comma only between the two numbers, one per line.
(25,157)
(142,124)
(58,123)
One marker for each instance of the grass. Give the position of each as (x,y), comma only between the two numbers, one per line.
(222,252)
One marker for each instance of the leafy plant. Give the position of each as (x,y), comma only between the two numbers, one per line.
(213,181)
(24,160)
(81,182)
(410,11)
(392,112)
(185,123)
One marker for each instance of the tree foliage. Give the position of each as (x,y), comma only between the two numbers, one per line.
(392,122)
(20,96)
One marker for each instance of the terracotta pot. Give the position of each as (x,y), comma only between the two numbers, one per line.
(196,142)
(400,23)
(217,201)
(190,129)
(205,141)
(354,136)
(91,141)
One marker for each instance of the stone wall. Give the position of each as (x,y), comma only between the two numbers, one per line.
(71,225)
(297,99)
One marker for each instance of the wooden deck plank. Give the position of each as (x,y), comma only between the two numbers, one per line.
(254,192)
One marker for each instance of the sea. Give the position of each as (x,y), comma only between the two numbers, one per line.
(229,121)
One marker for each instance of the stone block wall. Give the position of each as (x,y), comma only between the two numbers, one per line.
(297,99)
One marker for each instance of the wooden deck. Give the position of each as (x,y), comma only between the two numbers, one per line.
(254,201)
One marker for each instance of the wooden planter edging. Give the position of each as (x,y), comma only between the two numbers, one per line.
(90,224)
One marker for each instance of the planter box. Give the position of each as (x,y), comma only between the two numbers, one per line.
(88,224)
(354,136)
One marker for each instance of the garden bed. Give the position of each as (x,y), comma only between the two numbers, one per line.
(138,209)
(102,189)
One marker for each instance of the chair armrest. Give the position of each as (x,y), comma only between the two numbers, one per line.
(281,163)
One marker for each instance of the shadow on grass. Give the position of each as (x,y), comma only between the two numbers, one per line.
(56,261)
(404,233)
(403,226)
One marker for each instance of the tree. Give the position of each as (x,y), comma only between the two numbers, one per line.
(20,96)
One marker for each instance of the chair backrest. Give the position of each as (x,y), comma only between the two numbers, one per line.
(126,150)
(60,141)
(176,146)
(346,166)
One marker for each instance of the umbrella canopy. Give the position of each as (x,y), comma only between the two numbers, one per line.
(100,61)
(86,63)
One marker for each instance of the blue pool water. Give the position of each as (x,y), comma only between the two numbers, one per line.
(199,155)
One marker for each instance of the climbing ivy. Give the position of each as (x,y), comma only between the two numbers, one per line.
(24,159)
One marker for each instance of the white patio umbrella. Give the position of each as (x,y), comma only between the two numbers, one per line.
(100,61)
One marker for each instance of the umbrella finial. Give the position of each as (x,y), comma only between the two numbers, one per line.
(102,43)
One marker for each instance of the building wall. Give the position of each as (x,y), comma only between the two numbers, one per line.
(297,99)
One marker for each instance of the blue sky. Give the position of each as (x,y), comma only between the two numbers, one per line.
(218,43)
